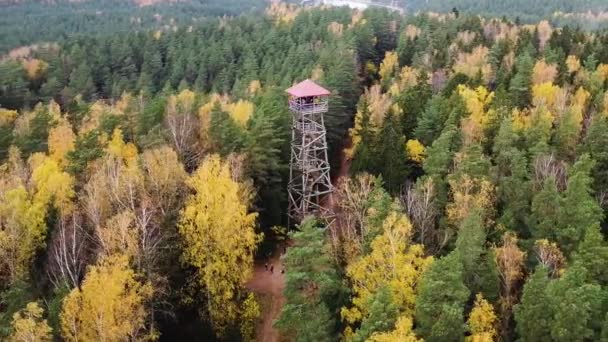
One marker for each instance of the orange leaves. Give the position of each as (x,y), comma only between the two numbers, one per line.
(281,12)
(544,30)
(335,28)
(543,72)
(412,32)
(471,64)
(34,68)
(573,64)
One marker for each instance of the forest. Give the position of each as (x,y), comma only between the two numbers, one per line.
(143,180)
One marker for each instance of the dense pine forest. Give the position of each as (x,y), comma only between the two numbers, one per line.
(143,176)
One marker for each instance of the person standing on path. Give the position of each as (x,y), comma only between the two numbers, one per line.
(271,268)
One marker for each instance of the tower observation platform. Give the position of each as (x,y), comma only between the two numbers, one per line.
(309,171)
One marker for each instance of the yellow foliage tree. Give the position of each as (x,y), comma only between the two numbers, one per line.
(335,28)
(119,235)
(482,321)
(241,111)
(249,315)
(109,306)
(602,71)
(415,150)
(281,12)
(61,141)
(468,193)
(379,104)
(219,238)
(7,116)
(28,325)
(477,102)
(24,230)
(403,332)
(52,184)
(408,77)
(545,94)
(393,262)
(389,66)
(117,148)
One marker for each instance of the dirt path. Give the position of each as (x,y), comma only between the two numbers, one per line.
(270,287)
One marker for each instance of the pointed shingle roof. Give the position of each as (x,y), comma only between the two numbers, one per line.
(307,88)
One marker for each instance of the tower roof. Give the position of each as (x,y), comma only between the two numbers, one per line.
(307,88)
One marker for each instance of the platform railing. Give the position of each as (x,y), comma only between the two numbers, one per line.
(308,108)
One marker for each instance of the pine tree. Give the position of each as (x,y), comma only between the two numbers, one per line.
(577,306)
(579,210)
(441,299)
(533,314)
(521,82)
(479,271)
(312,287)
(546,206)
(592,254)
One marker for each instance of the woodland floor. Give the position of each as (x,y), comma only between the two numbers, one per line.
(268,286)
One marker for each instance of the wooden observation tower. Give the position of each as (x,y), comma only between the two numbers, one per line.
(309,179)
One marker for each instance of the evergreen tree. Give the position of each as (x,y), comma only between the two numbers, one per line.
(546,206)
(312,287)
(579,210)
(441,299)
(521,82)
(479,272)
(533,314)
(577,306)
(592,254)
